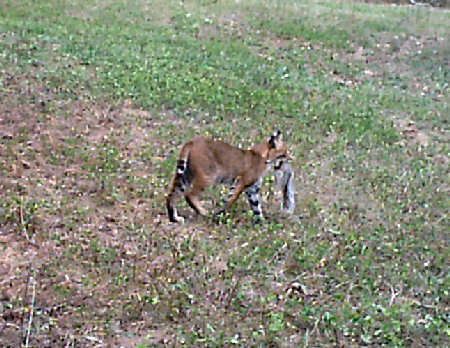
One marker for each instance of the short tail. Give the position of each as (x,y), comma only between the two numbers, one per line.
(183,176)
(182,162)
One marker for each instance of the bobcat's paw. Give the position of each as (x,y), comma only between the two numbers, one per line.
(179,219)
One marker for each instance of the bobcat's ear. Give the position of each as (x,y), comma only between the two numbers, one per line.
(275,139)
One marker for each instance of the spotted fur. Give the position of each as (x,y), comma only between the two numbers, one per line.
(204,162)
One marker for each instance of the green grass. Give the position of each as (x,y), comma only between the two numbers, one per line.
(96,98)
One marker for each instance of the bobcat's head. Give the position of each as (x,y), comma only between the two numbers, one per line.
(276,148)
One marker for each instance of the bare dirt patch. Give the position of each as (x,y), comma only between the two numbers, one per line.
(53,206)
(410,131)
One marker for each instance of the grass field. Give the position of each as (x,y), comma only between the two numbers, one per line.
(96,98)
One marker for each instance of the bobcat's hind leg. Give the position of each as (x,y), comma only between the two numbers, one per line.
(171,209)
(235,193)
(195,204)
(192,197)
(179,185)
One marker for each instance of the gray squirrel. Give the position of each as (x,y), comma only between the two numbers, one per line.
(284,182)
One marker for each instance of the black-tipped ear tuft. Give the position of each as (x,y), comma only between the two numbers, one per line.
(274,138)
(272,141)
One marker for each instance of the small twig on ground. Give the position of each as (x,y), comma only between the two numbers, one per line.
(30,320)
(393,296)
(22,223)
(22,328)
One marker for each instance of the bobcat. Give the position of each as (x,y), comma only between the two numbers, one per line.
(203,162)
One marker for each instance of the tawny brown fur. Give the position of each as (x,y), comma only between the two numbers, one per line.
(204,162)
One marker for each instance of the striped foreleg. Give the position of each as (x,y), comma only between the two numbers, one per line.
(254,199)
